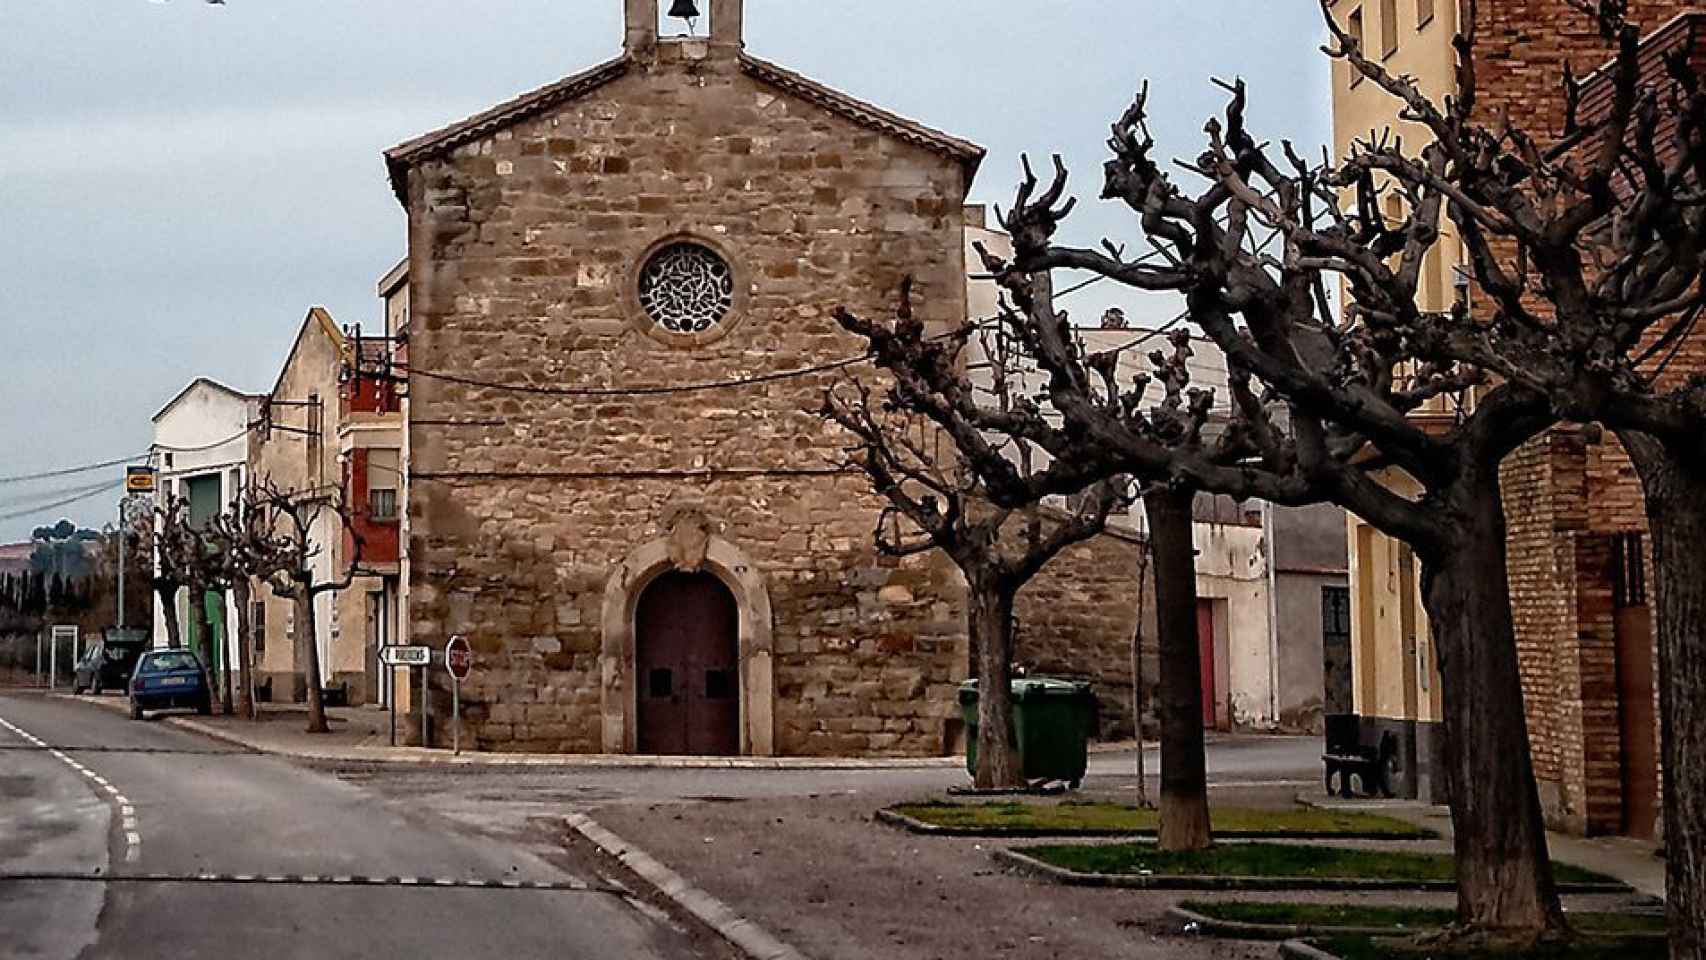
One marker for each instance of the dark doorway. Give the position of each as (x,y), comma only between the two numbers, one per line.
(1336,650)
(1637,718)
(687,656)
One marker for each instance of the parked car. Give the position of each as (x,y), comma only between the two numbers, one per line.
(106,665)
(165,679)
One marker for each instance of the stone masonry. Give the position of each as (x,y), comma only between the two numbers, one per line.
(535,520)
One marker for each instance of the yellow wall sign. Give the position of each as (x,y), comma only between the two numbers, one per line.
(139,479)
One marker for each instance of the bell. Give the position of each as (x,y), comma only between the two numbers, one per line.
(684,10)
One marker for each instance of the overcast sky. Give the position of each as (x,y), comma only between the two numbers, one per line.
(180,182)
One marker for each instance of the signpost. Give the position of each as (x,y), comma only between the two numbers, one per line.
(395,655)
(60,632)
(458,660)
(139,479)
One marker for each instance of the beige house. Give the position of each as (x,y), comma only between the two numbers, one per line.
(331,438)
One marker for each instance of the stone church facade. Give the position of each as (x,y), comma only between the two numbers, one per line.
(619,488)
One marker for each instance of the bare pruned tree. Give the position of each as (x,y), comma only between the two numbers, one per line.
(290,517)
(934,503)
(246,551)
(165,536)
(1589,245)
(1317,406)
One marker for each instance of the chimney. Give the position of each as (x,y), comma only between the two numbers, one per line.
(640,20)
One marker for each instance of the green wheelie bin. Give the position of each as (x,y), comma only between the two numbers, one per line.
(1052,719)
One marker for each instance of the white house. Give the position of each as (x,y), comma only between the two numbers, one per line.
(201,450)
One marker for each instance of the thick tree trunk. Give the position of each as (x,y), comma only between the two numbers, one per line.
(240,595)
(310,659)
(990,619)
(169,613)
(1674,483)
(1504,874)
(1184,769)
(203,632)
(1139,699)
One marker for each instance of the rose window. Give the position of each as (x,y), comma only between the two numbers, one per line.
(686,288)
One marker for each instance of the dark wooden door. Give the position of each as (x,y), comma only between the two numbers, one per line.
(1637,719)
(1205,646)
(687,650)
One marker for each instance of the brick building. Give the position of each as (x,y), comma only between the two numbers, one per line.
(644,563)
(1577,531)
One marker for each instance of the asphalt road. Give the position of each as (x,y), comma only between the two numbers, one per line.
(134,840)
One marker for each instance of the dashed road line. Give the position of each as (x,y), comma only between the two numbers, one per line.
(99,784)
(289,880)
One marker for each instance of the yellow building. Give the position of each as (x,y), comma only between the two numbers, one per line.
(1395,679)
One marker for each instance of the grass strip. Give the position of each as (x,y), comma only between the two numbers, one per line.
(1303,861)
(1373,948)
(1082,817)
(1396,918)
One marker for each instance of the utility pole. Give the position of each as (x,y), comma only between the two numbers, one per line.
(123,502)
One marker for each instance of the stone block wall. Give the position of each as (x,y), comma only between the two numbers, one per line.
(523,249)
(1078,619)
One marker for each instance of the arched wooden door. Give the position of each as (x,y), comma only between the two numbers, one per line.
(687,657)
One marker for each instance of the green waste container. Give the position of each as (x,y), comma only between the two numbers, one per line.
(1052,719)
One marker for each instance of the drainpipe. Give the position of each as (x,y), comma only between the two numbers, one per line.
(1273,612)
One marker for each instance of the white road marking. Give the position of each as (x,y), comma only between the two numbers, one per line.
(127,812)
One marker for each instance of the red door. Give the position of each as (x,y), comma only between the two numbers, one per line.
(687,652)
(1205,645)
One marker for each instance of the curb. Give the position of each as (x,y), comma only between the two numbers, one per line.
(915,825)
(1198,882)
(437,758)
(1240,930)
(1298,950)
(752,939)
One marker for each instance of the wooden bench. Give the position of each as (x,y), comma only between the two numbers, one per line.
(1347,756)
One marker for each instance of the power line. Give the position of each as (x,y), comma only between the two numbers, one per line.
(651,391)
(72,471)
(68,501)
(684,388)
(39,497)
(199,449)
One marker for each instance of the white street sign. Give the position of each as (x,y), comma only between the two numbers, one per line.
(398,656)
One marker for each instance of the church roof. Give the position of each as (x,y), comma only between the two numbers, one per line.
(400,158)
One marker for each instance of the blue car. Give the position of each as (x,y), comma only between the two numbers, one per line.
(164,679)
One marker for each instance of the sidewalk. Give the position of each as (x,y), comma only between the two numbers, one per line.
(362,735)
(1632,861)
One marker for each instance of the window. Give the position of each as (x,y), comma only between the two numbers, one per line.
(382,504)
(258,626)
(169,460)
(1388,28)
(384,470)
(686,288)
(1424,13)
(1353,26)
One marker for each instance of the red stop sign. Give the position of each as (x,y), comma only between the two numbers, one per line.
(458,657)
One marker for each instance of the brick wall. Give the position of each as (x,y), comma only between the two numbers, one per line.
(1565,492)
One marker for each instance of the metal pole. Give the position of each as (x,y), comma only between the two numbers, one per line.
(38,657)
(456,714)
(391,680)
(426,704)
(52,661)
(121,519)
